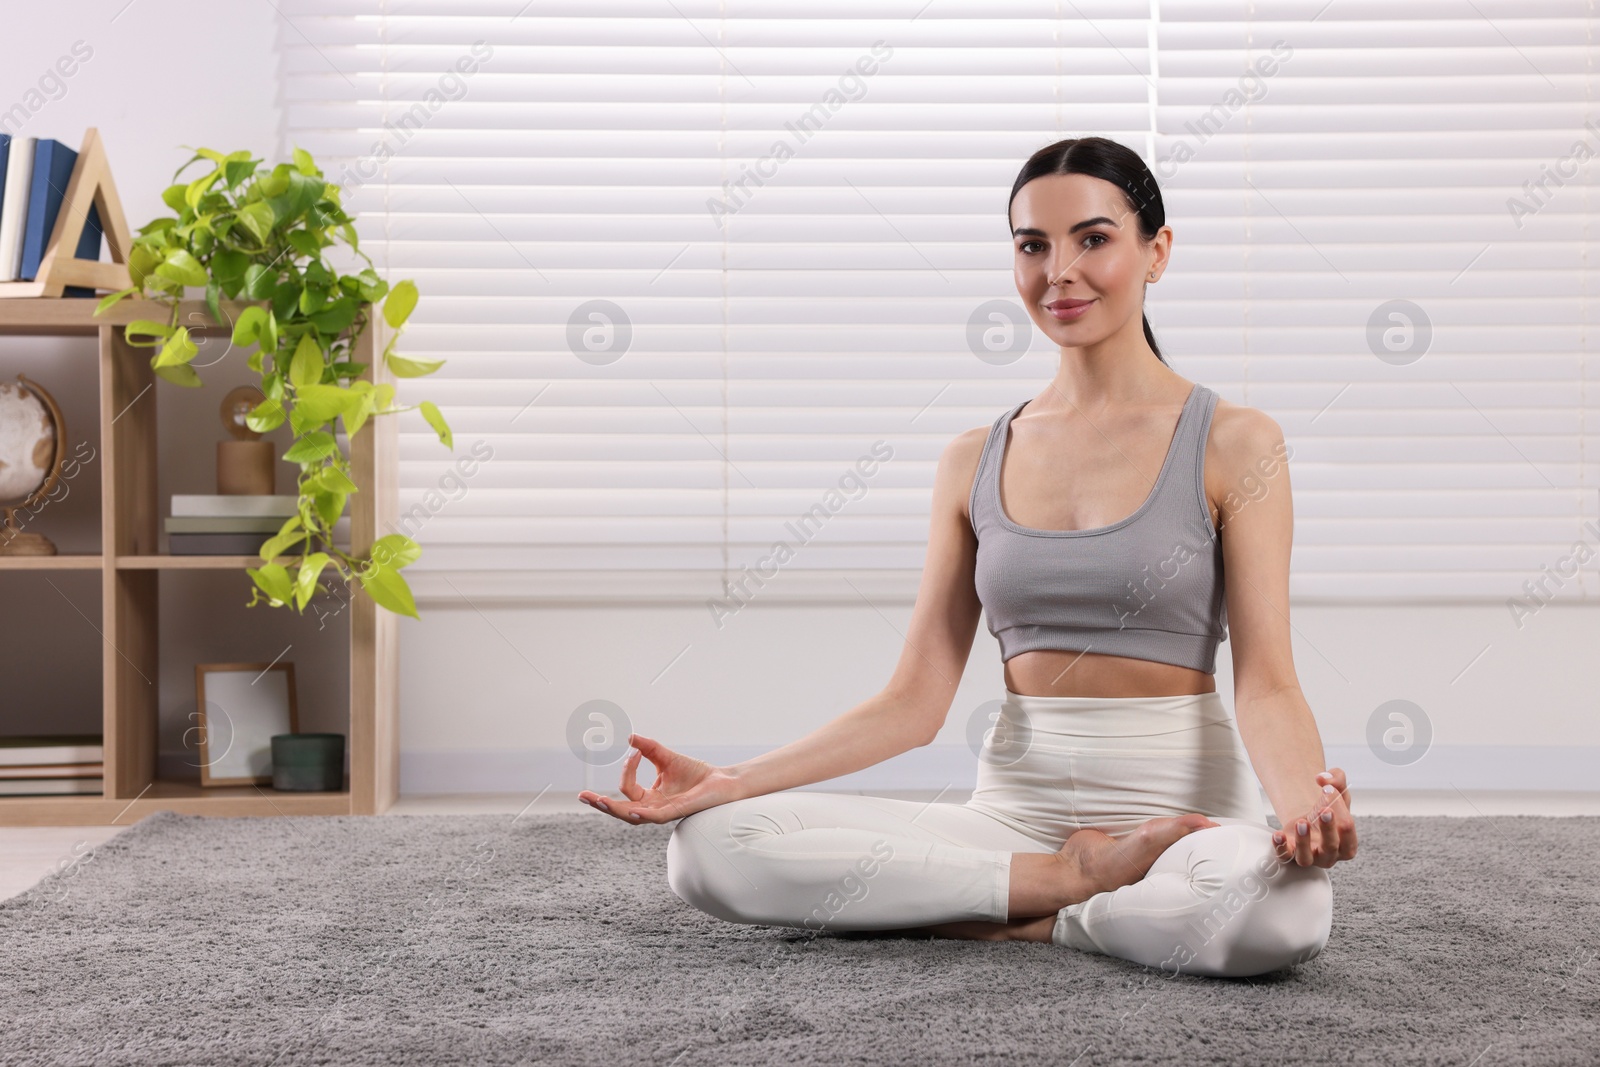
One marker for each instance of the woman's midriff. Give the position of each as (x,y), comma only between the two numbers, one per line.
(1048,672)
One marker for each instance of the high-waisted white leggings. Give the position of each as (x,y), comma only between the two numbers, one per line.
(1217,902)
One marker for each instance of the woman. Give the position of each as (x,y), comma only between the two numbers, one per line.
(1115,810)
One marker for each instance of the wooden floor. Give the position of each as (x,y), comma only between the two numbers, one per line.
(29,853)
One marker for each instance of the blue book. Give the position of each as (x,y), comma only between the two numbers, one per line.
(52,170)
(5,157)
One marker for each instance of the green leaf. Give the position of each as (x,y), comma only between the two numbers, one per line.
(197,188)
(173,197)
(178,349)
(395,550)
(182,268)
(257,219)
(273,580)
(213,305)
(436,420)
(182,374)
(317,274)
(402,300)
(147,328)
(304,241)
(305,581)
(288,534)
(328,505)
(265,416)
(227,267)
(285,298)
(269,333)
(274,181)
(141,261)
(259,281)
(304,163)
(304,191)
(312,299)
(322,403)
(237,170)
(331,479)
(411,368)
(307,365)
(390,591)
(337,317)
(312,448)
(354,420)
(248,326)
(110,300)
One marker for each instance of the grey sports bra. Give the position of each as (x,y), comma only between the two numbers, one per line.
(1149,586)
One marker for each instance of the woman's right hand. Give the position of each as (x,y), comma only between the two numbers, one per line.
(683,786)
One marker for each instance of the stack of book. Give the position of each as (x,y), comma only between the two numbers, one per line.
(34,174)
(233,524)
(44,764)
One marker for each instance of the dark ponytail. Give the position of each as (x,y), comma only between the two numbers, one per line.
(1102,158)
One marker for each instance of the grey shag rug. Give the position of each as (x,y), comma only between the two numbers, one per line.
(554,939)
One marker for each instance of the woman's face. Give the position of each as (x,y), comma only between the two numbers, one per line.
(1075,239)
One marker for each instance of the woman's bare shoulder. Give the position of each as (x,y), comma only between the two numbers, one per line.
(1245,446)
(959,464)
(1239,431)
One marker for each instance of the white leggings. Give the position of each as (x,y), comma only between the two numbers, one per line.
(1217,902)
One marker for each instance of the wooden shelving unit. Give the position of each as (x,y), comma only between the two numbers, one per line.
(131,565)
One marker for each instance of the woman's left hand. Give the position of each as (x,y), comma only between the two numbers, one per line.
(1324,835)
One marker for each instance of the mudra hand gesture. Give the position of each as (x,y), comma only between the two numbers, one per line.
(683,786)
(1324,835)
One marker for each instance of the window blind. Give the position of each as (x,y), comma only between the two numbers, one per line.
(717,282)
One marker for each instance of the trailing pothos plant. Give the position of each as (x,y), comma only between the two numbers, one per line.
(262,235)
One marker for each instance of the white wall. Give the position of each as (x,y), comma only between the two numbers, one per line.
(490,688)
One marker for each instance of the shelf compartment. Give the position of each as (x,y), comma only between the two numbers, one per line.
(131,563)
(67,561)
(188,798)
(163,561)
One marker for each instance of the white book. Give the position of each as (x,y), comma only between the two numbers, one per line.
(56,770)
(50,786)
(277,506)
(14,206)
(33,751)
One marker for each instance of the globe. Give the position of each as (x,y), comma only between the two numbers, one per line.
(30,432)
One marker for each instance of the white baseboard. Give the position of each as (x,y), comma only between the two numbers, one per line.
(954,767)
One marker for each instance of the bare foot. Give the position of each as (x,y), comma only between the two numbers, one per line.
(1091,862)
(1108,863)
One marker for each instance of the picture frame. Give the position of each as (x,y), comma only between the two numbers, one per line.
(240,706)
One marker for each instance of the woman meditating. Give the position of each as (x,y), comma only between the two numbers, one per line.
(1117,809)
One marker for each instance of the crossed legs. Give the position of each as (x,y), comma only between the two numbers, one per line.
(1212,901)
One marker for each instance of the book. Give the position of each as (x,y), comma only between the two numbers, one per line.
(14,205)
(278,505)
(52,170)
(30,750)
(216,544)
(56,770)
(17,787)
(270,524)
